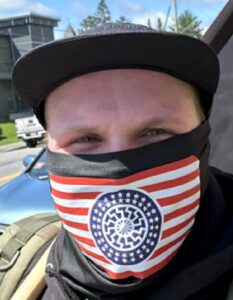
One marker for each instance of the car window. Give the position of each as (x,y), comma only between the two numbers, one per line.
(39,169)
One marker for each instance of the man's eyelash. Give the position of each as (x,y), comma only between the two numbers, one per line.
(86,139)
(158,131)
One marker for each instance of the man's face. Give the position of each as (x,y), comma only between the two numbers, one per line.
(115,110)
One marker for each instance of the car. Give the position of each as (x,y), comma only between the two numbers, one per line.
(29,130)
(28,193)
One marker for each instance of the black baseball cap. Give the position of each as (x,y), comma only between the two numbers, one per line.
(115,46)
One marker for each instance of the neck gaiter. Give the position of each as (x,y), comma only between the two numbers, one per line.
(130,211)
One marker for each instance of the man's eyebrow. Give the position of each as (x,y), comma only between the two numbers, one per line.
(152,120)
(159,120)
(76,129)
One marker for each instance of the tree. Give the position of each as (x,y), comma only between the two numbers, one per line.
(188,24)
(101,16)
(159,25)
(123,19)
(149,23)
(88,23)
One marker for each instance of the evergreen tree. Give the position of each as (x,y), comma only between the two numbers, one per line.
(159,25)
(188,24)
(123,19)
(88,23)
(149,23)
(101,16)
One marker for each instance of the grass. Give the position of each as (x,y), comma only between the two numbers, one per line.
(8,133)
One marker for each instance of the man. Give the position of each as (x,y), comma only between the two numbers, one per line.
(126,111)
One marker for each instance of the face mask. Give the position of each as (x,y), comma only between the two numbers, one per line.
(130,211)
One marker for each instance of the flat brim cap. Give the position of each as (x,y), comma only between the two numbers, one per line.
(114,46)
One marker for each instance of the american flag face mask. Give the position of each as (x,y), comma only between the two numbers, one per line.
(128,222)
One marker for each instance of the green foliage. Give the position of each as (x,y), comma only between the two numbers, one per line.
(189,24)
(101,16)
(123,19)
(88,23)
(149,23)
(159,25)
(8,133)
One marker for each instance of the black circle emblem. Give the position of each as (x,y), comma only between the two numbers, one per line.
(126,226)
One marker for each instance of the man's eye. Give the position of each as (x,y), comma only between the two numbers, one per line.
(152,132)
(87,139)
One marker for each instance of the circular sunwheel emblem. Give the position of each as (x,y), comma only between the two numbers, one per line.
(126,226)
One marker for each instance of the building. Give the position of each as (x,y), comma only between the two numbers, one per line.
(18,35)
(7,101)
(70,32)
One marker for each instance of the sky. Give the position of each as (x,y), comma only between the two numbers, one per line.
(138,11)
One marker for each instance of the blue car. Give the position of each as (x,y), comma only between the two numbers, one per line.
(28,193)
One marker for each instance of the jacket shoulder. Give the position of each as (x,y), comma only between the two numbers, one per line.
(225,181)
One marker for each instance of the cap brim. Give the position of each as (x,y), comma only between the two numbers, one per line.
(44,68)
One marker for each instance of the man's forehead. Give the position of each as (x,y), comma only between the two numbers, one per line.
(104,92)
(119,78)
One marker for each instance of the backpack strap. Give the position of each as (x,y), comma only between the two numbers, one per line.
(10,251)
(19,245)
(34,283)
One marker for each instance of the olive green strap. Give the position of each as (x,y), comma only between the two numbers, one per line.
(10,251)
(34,283)
(20,243)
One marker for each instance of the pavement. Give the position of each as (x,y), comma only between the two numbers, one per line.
(12,147)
